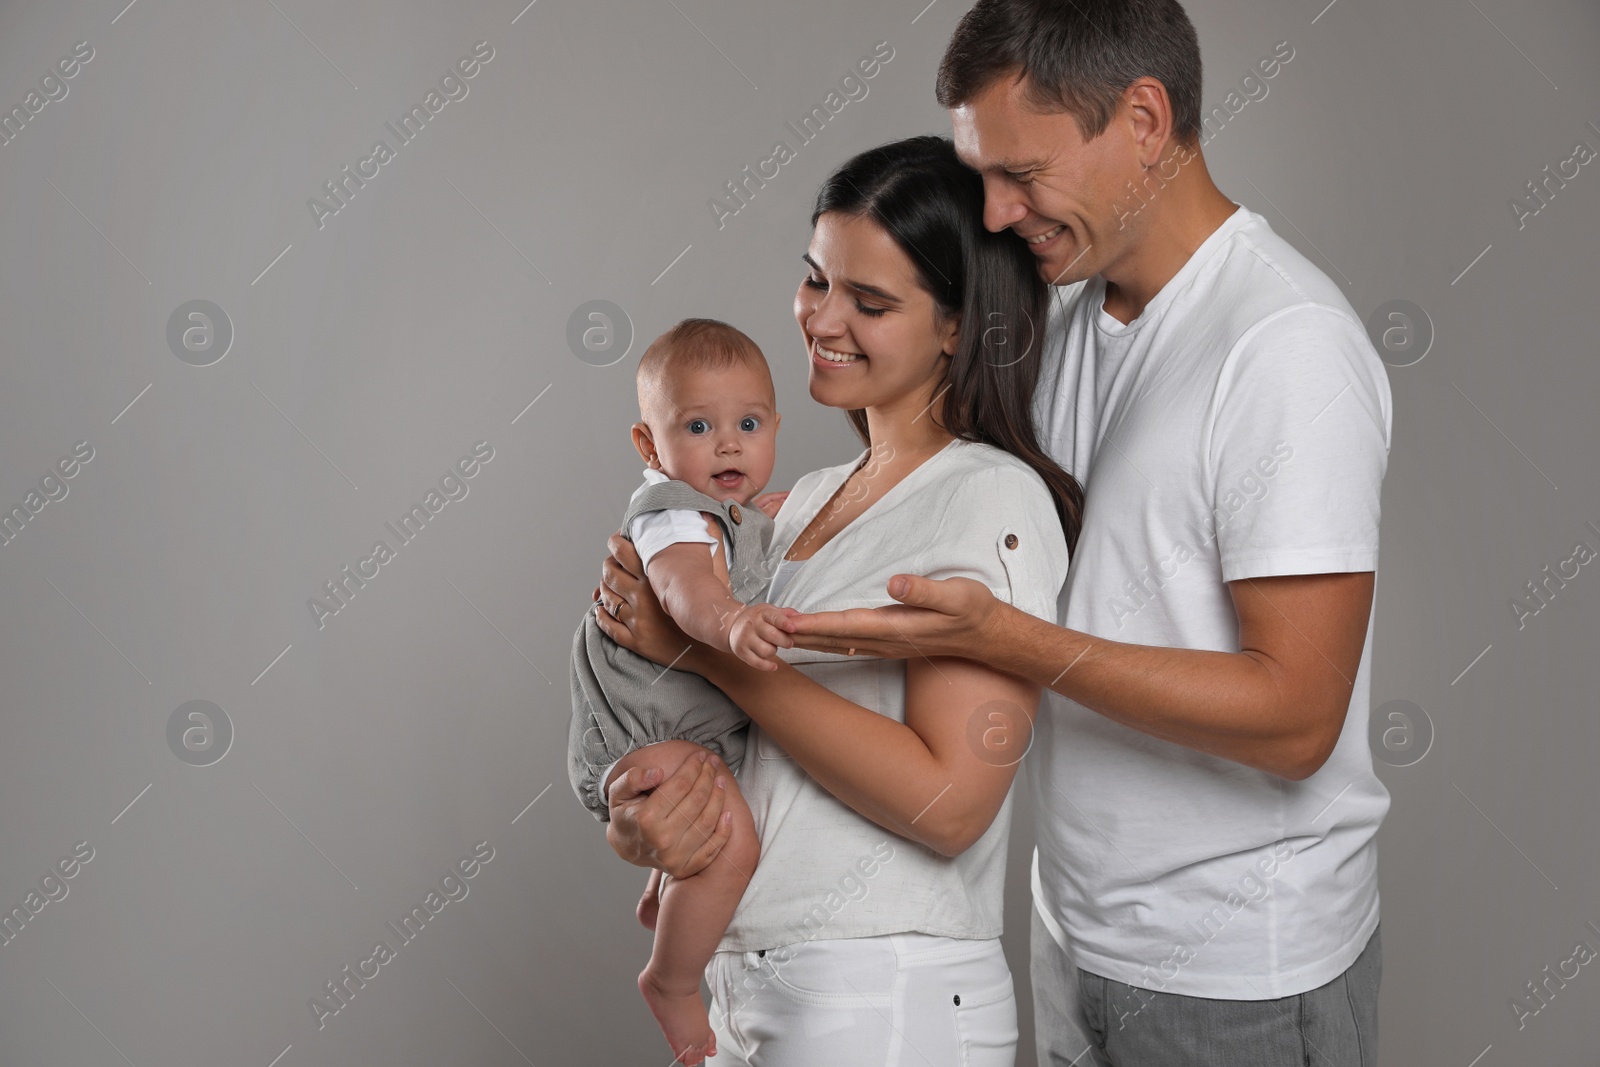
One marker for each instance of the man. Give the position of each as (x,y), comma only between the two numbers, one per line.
(1205,882)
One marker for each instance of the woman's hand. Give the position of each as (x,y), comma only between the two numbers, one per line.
(935,617)
(678,826)
(631,615)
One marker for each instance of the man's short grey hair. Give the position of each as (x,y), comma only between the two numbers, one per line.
(1078,56)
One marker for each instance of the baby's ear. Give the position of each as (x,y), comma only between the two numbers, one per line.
(643,442)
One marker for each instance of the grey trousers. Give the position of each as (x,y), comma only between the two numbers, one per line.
(1085,1020)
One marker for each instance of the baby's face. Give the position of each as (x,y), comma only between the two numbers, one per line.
(718,431)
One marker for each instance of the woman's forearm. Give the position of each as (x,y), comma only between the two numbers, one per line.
(875,765)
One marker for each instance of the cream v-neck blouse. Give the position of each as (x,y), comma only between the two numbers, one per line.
(970,510)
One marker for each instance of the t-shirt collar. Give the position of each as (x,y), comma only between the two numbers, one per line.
(1108,325)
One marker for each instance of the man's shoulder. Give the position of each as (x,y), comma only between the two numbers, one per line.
(1260,278)
(1251,279)
(1288,306)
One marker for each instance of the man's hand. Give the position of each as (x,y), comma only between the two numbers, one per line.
(631,615)
(939,617)
(678,826)
(757,633)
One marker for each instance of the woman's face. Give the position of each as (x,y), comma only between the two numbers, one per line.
(861,305)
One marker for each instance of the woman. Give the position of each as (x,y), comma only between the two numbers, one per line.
(869,933)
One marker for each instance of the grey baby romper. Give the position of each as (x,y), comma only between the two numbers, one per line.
(622,701)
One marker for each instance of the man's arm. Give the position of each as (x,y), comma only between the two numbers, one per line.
(1277,705)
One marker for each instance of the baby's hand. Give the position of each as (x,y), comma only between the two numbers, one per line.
(771,502)
(757,633)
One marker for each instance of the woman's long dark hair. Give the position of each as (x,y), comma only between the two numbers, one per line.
(925,198)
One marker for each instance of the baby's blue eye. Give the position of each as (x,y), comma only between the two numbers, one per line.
(749,423)
(698,422)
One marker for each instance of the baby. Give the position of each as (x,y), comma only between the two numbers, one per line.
(706,430)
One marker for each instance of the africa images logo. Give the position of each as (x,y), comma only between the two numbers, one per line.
(452,86)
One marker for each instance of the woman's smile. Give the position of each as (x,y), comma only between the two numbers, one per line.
(831,359)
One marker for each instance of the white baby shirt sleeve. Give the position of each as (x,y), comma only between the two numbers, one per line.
(655,530)
(1298,447)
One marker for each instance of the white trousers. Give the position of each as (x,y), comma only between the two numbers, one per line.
(896,1000)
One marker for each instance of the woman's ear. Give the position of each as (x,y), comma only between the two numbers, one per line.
(645,444)
(952,335)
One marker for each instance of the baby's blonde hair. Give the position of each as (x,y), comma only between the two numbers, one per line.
(693,344)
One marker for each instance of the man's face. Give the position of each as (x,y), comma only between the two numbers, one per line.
(1043,180)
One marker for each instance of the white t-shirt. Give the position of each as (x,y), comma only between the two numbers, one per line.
(1239,427)
(655,530)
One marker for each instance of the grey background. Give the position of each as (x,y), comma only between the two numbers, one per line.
(372,754)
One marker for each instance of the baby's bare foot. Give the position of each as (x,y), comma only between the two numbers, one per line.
(682,1018)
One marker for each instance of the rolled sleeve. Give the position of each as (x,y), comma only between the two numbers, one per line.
(1001,528)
